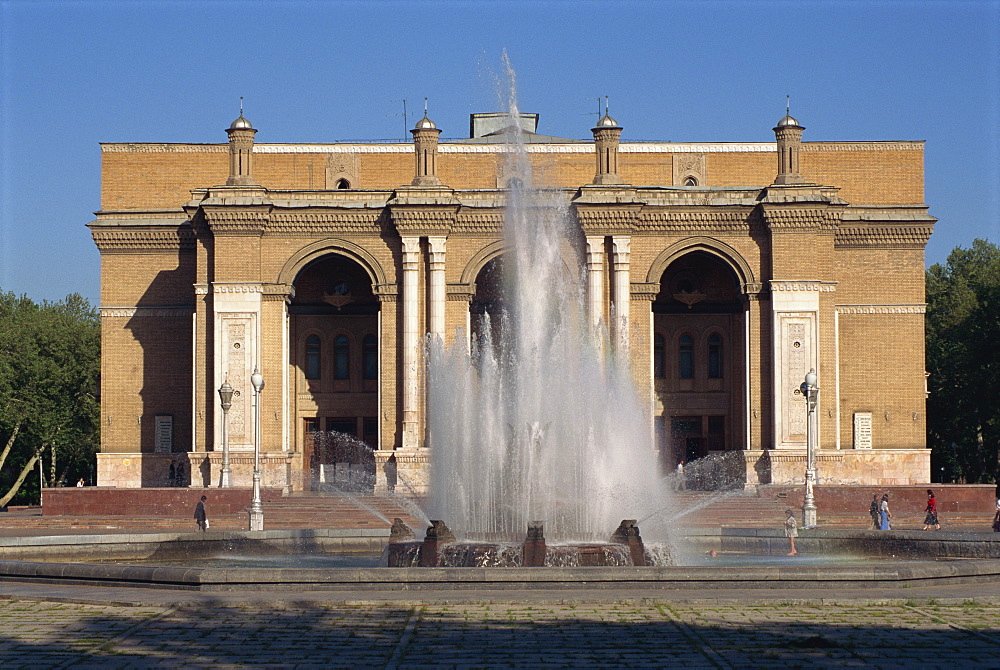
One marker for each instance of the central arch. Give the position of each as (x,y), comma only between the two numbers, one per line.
(700,350)
(333,360)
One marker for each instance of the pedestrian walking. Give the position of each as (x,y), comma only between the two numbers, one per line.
(791,531)
(873,511)
(200,516)
(932,516)
(680,483)
(996,518)
(884,514)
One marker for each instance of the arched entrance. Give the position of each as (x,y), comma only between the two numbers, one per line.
(699,355)
(488,305)
(334,342)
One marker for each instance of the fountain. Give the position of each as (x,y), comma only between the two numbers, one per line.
(539,419)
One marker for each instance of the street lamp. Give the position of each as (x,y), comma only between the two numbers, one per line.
(226,396)
(811,392)
(256,508)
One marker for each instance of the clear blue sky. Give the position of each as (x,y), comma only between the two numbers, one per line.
(76,73)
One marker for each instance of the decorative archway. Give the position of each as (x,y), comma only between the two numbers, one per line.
(700,319)
(709,245)
(307,254)
(333,332)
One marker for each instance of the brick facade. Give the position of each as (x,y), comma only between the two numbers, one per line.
(205,277)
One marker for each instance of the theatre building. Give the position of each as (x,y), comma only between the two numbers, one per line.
(731,269)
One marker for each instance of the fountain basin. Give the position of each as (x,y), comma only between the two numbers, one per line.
(923,566)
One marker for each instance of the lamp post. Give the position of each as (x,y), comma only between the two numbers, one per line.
(256,508)
(226,397)
(810,391)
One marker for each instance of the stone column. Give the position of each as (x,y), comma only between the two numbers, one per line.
(622,291)
(411,340)
(438,289)
(595,277)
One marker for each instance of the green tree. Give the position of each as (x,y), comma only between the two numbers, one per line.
(963,358)
(49,377)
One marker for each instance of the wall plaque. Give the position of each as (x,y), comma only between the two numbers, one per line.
(862,430)
(164,432)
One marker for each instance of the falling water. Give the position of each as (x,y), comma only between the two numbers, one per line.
(538,423)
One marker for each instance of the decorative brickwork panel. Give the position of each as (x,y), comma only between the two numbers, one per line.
(234,365)
(797,356)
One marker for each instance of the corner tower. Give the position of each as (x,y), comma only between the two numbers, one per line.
(788,134)
(241,152)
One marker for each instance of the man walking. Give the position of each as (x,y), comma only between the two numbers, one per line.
(199,514)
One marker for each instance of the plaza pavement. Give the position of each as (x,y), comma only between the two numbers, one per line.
(77,626)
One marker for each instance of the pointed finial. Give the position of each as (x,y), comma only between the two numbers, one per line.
(605,105)
(788,104)
(425,106)
(241,105)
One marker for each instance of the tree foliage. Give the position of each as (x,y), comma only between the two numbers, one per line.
(49,379)
(963,358)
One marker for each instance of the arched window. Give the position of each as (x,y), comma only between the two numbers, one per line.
(314,350)
(685,357)
(369,355)
(715,356)
(341,358)
(659,356)
(690,181)
(343,184)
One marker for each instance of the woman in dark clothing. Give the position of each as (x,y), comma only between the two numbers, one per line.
(932,518)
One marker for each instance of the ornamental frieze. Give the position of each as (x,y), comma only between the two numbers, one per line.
(883,237)
(644,291)
(145,312)
(308,224)
(608,220)
(423,221)
(143,241)
(915,308)
(803,285)
(780,219)
(692,221)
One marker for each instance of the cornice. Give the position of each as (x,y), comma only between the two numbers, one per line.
(163,148)
(447,147)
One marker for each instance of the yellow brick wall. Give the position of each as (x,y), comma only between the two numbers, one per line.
(163,179)
(881,367)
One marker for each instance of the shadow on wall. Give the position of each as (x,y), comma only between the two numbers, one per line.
(763,467)
(161,325)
